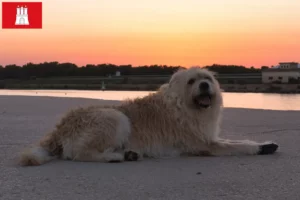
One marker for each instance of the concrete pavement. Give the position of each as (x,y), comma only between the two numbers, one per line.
(24,120)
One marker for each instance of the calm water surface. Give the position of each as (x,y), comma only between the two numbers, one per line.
(237,100)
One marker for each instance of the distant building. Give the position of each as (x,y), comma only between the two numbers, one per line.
(118,73)
(288,65)
(283,73)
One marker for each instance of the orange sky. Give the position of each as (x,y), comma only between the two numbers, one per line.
(171,32)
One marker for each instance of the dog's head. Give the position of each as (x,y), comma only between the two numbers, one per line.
(196,87)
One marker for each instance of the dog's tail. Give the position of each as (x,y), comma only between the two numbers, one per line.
(46,150)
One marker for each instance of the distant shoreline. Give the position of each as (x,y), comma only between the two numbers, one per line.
(239,88)
(262,88)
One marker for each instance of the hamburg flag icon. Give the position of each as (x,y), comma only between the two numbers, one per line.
(24,15)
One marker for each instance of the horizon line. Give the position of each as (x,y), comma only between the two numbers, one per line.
(108,63)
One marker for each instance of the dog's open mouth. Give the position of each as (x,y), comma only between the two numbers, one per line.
(203,100)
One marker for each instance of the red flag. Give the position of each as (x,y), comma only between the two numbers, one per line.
(21,15)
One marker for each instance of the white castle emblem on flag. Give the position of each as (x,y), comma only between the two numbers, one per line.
(22,16)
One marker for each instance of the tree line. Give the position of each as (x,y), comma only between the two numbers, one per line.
(56,69)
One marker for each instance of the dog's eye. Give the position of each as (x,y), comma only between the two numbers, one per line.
(208,78)
(191,81)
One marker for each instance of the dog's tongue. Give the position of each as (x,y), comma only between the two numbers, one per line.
(204,100)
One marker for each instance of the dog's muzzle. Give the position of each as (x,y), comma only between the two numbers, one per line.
(204,98)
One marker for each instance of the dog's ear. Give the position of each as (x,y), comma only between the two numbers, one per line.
(176,74)
(213,73)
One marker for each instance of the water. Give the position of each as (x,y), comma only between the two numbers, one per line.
(235,100)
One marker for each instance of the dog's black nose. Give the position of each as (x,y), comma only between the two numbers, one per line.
(204,86)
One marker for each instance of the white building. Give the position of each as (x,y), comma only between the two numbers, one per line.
(283,73)
(118,73)
(22,16)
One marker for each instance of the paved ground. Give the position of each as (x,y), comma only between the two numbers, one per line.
(24,120)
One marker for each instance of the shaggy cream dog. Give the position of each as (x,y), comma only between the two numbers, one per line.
(182,117)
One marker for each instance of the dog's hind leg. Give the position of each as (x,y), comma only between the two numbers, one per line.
(223,147)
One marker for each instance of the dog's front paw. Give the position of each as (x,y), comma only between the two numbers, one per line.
(268,148)
(131,156)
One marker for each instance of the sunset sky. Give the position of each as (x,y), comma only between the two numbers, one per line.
(171,32)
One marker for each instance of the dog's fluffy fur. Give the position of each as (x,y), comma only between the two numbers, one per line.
(171,122)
